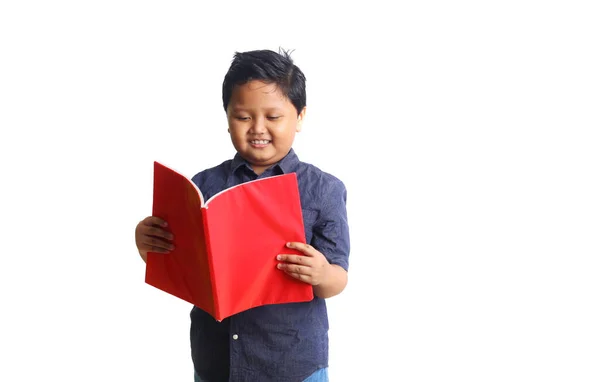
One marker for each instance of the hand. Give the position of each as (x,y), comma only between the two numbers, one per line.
(312,267)
(150,236)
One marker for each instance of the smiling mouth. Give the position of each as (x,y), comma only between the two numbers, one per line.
(260,142)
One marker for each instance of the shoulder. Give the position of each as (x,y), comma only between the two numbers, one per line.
(212,174)
(319,179)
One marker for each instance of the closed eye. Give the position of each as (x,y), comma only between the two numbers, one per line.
(242,118)
(272,118)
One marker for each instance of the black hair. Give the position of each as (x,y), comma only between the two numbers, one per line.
(269,67)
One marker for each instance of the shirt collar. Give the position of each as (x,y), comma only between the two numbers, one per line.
(287,164)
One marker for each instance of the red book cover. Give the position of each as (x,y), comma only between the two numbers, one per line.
(225,247)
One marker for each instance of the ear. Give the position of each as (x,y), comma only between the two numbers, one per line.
(300,120)
(227,118)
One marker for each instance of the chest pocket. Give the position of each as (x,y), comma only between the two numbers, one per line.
(310,219)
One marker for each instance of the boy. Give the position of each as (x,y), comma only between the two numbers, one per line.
(264,98)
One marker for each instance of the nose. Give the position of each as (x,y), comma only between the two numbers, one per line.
(258,126)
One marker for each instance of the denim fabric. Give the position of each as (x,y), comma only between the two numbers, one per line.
(279,342)
(320,375)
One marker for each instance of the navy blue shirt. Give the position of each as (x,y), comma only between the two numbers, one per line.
(279,342)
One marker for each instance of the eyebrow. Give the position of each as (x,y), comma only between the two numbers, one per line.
(271,109)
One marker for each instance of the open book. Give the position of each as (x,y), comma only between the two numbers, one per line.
(224,261)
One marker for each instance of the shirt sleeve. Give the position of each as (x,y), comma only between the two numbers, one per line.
(331,234)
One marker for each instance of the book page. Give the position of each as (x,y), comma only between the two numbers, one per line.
(249,225)
(177,174)
(185,272)
(239,185)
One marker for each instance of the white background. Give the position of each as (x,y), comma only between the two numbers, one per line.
(466,134)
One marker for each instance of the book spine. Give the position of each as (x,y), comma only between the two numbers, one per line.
(209,254)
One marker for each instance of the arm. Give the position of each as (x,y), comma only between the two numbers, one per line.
(313,268)
(325,262)
(333,284)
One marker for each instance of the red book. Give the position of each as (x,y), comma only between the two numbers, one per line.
(224,261)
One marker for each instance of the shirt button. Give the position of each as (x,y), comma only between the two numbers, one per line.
(235,337)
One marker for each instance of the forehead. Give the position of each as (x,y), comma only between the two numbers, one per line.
(258,94)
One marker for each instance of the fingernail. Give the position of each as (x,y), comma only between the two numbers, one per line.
(279,266)
(164,224)
(289,244)
(278,257)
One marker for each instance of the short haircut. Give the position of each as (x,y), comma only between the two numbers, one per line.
(269,67)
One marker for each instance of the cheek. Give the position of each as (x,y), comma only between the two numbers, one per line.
(286,132)
(235,129)
(237,137)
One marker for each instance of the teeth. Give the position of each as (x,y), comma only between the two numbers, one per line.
(262,142)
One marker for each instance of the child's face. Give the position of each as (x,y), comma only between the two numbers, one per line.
(262,123)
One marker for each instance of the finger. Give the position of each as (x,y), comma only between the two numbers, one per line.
(296,259)
(299,276)
(295,268)
(307,249)
(154,220)
(155,249)
(157,232)
(154,242)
